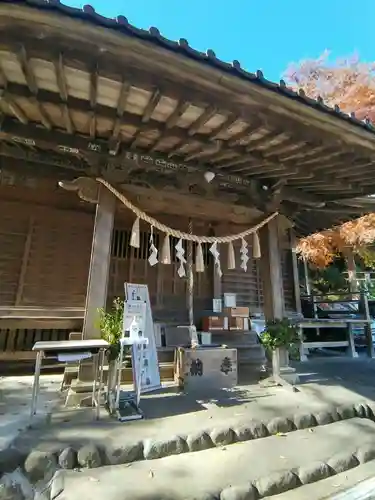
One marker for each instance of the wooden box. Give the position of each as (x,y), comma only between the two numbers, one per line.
(237,323)
(214,323)
(206,368)
(237,312)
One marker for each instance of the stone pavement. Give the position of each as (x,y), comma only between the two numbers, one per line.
(181,423)
(15,401)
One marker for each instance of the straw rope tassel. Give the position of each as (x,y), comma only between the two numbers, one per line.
(256,246)
(199,260)
(166,251)
(135,237)
(231,257)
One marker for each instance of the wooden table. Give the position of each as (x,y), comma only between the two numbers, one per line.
(71,351)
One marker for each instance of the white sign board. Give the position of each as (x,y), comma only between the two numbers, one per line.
(217,305)
(230,300)
(139,293)
(134,320)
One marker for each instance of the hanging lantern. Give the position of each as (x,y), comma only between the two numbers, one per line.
(199,260)
(135,237)
(231,256)
(166,251)
(256,247)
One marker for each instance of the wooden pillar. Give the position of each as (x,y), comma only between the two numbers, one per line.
(96,296)
(297,291)
(273,292)
(271,272)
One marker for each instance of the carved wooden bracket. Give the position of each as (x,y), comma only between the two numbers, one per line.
(86,188)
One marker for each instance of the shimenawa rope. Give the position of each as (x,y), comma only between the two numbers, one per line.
(179,234)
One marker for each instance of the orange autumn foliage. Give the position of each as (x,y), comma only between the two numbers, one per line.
(321,248)
(347,83)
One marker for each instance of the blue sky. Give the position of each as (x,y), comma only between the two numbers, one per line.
(261,34)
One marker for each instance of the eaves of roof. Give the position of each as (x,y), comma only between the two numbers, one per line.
(153,35)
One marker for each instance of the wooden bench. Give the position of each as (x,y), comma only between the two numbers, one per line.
(341,319)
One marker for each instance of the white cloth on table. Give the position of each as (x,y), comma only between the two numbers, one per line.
(74,356)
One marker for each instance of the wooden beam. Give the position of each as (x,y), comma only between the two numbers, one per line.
(75,104)
(27,69)
(79,145)
(25,261)
(121,104)
(225,126)
(180,109)
(43,115)
(17,111)
(93,86)
(151,105)
(207,114)
(58,63)
(67,120)
(233,91)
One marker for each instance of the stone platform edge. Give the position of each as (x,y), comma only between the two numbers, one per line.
(93,455)
(273,484)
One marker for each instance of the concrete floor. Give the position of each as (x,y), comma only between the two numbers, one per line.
(15,401)
(323,383)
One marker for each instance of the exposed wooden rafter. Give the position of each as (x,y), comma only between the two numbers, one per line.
(58,62)
(136,121)
(27,69)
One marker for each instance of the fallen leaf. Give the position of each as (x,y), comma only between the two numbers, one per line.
(280,434)
(311,430)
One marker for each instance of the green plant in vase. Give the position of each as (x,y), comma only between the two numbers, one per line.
(280,335)
(110,325)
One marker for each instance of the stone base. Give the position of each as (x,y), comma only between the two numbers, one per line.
(289,374)
(79,394)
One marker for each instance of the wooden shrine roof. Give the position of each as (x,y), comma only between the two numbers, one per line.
(92,95)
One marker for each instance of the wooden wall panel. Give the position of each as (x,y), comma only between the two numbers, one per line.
(246,285)
(58,260)
(14,225)
(44,255)
(168,292)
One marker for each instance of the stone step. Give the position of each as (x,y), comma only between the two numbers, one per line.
(166,374)
(251,469)
(354,484)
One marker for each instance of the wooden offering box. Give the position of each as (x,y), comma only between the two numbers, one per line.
(237,312)
(215,323)
(239,324)
(206,368)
